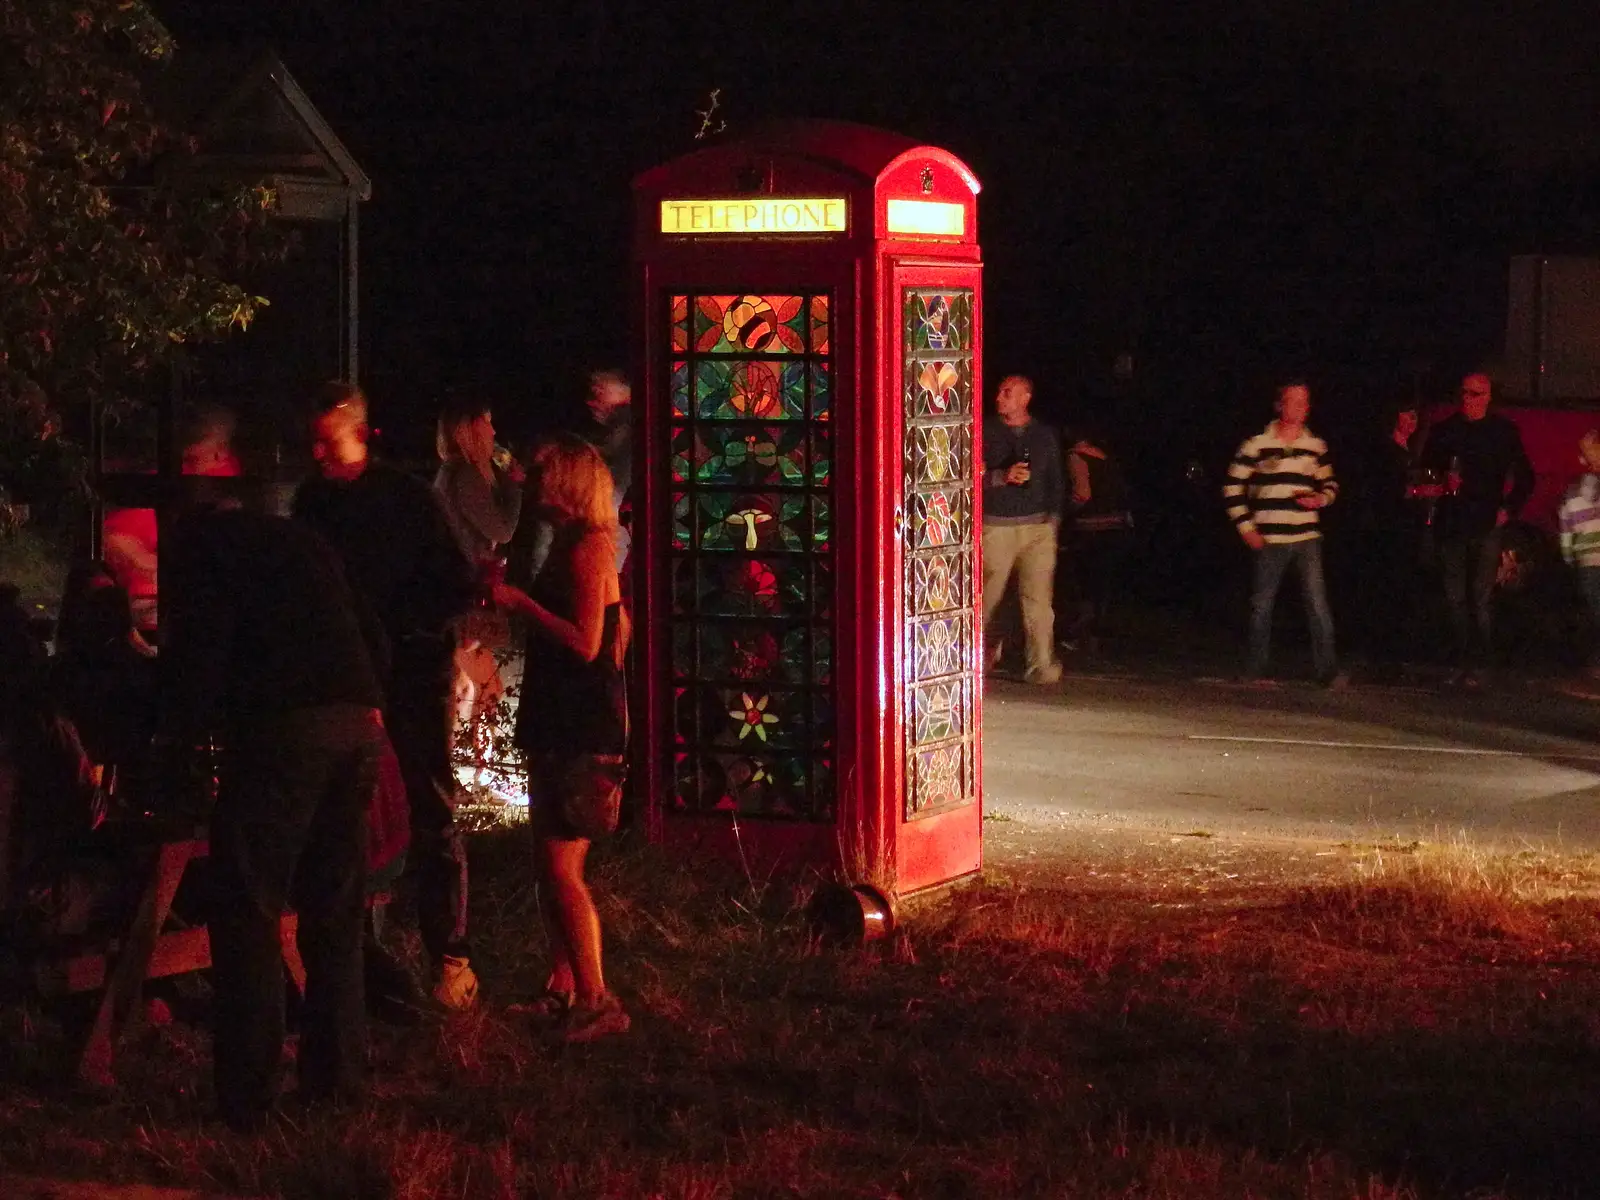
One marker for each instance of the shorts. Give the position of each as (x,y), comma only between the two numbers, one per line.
(575,796)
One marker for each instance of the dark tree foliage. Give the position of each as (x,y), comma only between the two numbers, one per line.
(114,252)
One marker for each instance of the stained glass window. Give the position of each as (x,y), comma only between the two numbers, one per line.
(751,554)
(941,684)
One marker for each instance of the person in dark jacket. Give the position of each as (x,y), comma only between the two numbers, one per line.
(264,648)
(1391,525)
(1023,491)
(1488,479)
(403,562)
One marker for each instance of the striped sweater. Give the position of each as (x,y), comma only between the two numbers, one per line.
(1579,522)
(1266,475)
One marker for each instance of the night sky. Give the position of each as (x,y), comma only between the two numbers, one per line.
(1230,193)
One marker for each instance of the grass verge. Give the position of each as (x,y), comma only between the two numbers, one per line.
(1427,1028)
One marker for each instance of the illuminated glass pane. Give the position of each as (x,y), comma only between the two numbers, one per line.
(760,784)
(736,389)
(680,324)
(940,646)
(750,520)
(822,656)
(682,460)
(821,455)
(939,322)
(940,453)
(755,587)
(749,653)
(938,388)
(682,535)
(941,581)
(938,711)
(680,389)
(748,455)
(754,718)
(819,325)
(821,524)
(940,518)
(821,391)
(749,325)
(939,775)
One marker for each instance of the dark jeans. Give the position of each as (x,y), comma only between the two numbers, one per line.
(1389,589)
(1092,563)
(289,826)
(1589,587)
(1468,565)
(1271,561)
(419,719)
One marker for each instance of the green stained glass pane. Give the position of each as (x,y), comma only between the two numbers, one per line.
(750,455)
(821,524)
(680,324)
(821,455)
(736,389)
(779,586)
(821,391)
(936,322)
(750,521)
(822,787)
(821,589)
(822,656)
(682,535)
(754,718)
(822,715)
(749,325)
(771,785)
(819,325)
(680,389)
(682,454)
(751,653)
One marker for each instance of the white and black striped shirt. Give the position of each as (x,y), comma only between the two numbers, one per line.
(1266,475)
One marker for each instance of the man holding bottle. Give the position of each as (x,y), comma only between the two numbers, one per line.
(1023,490)
(1488,479)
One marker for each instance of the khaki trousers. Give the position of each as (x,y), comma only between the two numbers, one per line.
(1030,551)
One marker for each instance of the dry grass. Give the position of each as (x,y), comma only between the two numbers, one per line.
(1426,1029)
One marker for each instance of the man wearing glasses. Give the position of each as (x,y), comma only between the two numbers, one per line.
(1488,479)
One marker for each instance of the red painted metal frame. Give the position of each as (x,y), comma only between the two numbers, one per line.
(865,272)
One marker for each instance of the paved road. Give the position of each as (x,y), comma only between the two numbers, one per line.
(1514,767)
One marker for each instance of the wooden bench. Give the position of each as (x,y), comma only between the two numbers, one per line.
(144,950)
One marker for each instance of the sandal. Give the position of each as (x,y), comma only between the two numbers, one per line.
(587,1024)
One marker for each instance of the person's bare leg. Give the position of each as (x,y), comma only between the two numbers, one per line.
(580,922)
(561,980)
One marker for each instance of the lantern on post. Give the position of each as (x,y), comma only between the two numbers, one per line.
(806,550)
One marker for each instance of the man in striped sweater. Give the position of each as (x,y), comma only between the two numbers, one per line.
(1277,483)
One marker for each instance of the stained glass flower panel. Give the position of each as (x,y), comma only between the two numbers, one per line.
(938,775)
(753,718)
(750,455)
(749,325)
(751,520)
(941,518)
(750,653)
(940,646)
(940,453)
(941,581)
(938,711)
(742,389)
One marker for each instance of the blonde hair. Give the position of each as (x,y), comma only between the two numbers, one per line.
(575,482)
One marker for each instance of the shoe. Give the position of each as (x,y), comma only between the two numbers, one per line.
(549,1004)
(602,1020)
(457,988)
(1047,674)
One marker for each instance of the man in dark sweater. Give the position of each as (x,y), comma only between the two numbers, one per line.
(1487,481)
(1023,491)
(263,647)
(403,561)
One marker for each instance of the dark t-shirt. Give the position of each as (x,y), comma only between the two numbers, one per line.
(399,553)
(260,623)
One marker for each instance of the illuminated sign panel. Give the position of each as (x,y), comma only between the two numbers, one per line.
(755,215)
(927,217)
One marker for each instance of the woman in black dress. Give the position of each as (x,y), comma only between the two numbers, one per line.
(573,719)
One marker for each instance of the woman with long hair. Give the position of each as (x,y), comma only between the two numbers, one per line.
(573,719)
(482,497)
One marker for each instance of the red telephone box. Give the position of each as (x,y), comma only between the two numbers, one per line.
(806,511)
